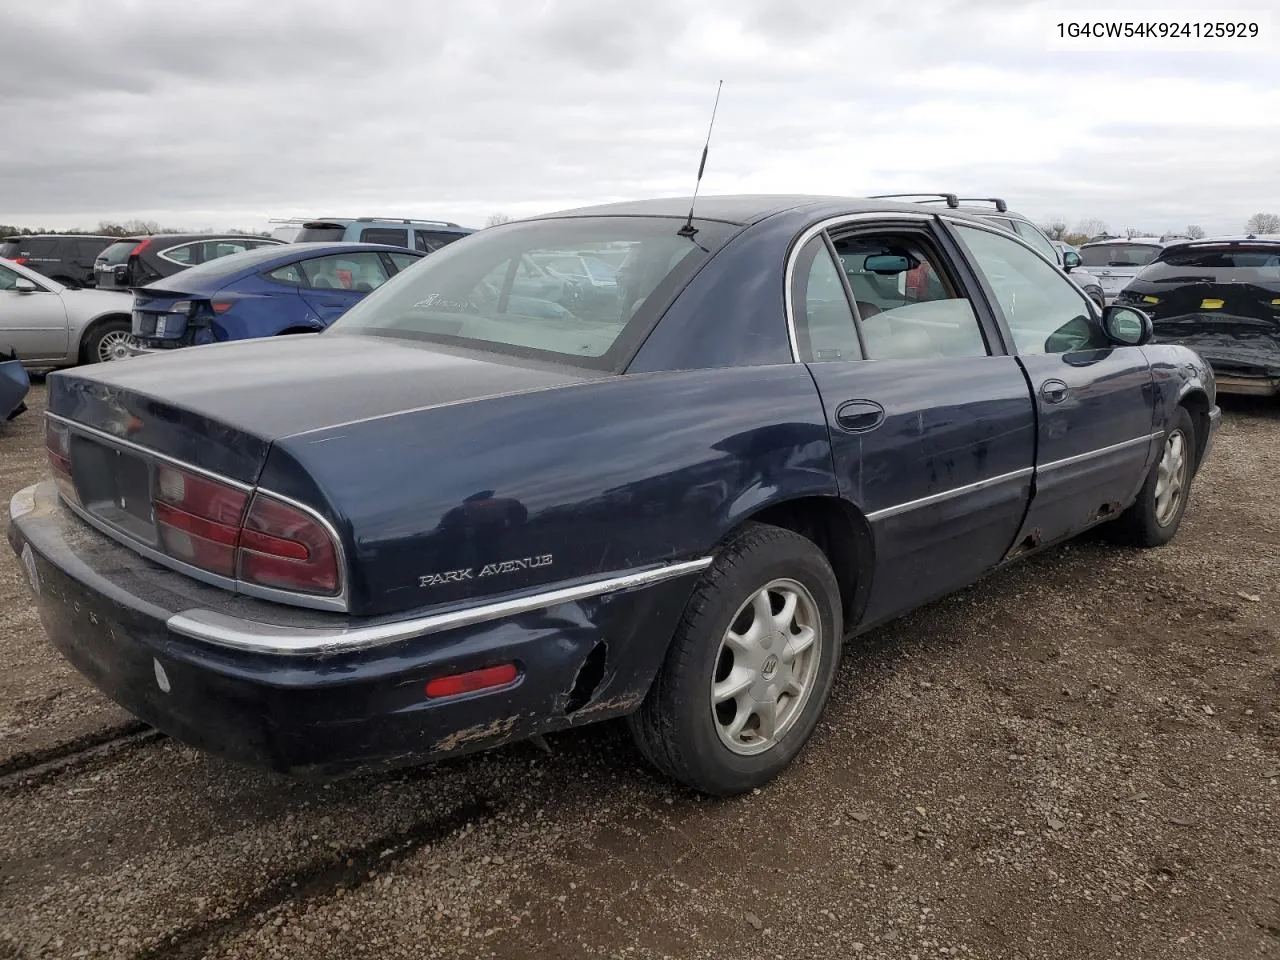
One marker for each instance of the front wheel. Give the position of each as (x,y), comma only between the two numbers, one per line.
(1154,518)
(750,667)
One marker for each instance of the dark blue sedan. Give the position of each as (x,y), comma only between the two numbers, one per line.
(284,288)
(455,518)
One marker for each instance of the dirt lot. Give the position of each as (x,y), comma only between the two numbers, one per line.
(1078,758)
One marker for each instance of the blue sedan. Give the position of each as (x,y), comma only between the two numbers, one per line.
(289,288)
(456,518)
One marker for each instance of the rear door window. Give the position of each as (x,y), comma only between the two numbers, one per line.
(345,271)
(290,273)
(216,249)
(390,236)
(403,261)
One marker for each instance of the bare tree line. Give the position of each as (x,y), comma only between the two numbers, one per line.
(129,228)
(1091,228)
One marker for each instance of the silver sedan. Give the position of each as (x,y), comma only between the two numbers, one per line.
(45,323)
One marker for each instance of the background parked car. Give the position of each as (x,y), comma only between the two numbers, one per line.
(284,288)
(424,235)
(136,261)
(1220,297)
(67,258)
(1021,226)
(14,384)
(47,323)
(1119,260)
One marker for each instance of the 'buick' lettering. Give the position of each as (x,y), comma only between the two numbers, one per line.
(488,570)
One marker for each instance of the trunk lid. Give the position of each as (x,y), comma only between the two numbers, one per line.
(219,407)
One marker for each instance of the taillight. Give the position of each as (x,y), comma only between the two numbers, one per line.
(198,520)
(285,548)
(20,260)
(57,444)
(140,247)
(261,540)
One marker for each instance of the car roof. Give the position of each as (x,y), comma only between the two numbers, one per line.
(19,237)
(743,209)
(1145,241)
(187,237)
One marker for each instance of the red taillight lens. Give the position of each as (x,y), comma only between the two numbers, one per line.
(20,260)
(140,247)
(57,444)
(485,678)
(198,520)
(287,549)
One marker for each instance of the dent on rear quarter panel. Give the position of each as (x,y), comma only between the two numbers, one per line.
(569,482)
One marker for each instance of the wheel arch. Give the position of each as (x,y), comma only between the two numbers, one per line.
(840,531)
(97,323)
(1196,402)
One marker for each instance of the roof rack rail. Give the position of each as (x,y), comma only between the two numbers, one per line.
(290,220)
(1000,205)
(950,198)
(442,223)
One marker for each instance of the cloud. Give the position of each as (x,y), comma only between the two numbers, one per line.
(235,112)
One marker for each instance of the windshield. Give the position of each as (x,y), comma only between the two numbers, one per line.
(1118,254)
(118,252)
(500,289)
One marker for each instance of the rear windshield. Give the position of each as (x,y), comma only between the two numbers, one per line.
(8,248)
(118,252)
(498,289)
(1118,254)
(320,233)
(1223,258)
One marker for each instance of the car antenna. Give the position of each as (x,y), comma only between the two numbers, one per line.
(688,230)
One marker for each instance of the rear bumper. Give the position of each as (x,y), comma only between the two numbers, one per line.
(1251,386)
(334,696)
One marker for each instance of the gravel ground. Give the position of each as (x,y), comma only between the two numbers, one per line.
(1077,758)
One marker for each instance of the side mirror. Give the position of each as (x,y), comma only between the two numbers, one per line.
(23,285)
(1070,260)
(1126,326)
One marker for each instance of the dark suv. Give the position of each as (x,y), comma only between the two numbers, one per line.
(1221,298)
(137,261)
(424,235)
(66,258)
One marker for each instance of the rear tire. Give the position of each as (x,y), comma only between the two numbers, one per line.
(107,341)
(1154,518)
(750,667)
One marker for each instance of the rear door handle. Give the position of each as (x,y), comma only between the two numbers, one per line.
(1053,391)
(859,416)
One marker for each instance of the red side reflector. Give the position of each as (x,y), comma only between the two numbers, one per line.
(222,306)
(21,260)
(483,679)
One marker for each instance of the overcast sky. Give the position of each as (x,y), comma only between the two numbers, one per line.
(228,113)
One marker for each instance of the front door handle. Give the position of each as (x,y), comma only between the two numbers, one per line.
(859,416)
(1053,391)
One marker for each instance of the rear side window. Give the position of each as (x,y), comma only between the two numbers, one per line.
(403,261)
(824,322)
(8,249)
(216,249)
(438,238)
(320,233)
(183,254)
(391,237)
(88,249)
(289,273)
(118,252)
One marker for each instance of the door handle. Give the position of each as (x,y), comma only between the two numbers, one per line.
(1053,391)
(859,416)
